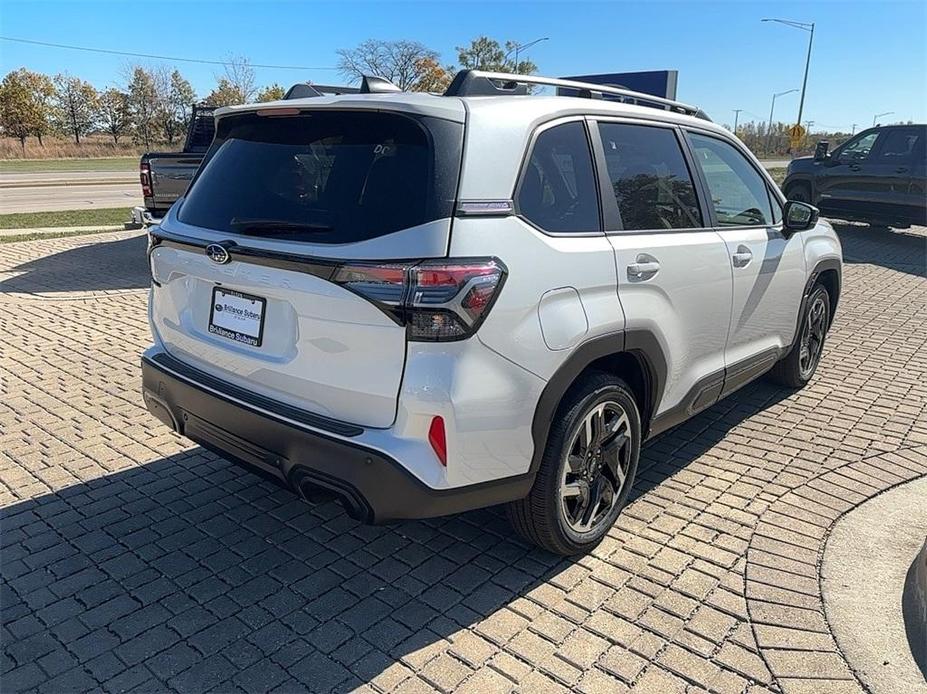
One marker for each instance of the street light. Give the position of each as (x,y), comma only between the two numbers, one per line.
(879,115)
(804,26)
(521,46)
(771,108)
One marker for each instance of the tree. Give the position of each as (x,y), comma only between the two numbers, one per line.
(114,113)
(432,76)
(143,104)
(24,97)
(273,92)
(240,77)
(75,105)
(485,53)
(225,94)
(175,101)
(401,62)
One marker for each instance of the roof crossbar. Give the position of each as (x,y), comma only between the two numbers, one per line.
(482,83)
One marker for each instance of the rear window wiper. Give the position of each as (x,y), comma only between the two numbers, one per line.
(282,226)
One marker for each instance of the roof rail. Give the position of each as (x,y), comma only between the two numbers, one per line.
(481,83)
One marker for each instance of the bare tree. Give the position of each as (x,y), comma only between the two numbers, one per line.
(401,62)
(239,75)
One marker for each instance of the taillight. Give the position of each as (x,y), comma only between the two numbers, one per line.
(145,175)
(438,300)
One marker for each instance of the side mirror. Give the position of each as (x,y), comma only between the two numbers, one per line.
(820,150)
(798,216)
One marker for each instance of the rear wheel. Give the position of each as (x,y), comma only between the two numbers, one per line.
(587,469)
(798,366)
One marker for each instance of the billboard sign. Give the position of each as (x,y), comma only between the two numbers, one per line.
(657,82)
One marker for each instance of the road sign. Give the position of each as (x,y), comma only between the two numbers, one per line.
(796,135)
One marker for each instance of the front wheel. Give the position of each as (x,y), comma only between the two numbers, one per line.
(587,468)
(800,192)
(798,366)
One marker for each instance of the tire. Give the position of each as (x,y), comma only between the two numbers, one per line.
(797,367)
(799,191)
(552,513)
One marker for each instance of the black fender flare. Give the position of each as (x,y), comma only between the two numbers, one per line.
(821,266)
(801,178)
(641,344)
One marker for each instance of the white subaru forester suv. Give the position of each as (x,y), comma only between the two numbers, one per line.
(431,303)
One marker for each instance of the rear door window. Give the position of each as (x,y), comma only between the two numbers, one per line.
(898,146)
(738,193)
(649,177)
(558,191)
(326,176)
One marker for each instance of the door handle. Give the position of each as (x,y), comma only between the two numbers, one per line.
(854,167)
(644,268)
(742,257)
(901,169)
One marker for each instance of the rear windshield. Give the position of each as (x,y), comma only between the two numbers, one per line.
(326,176)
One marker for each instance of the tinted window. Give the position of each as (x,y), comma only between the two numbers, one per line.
(649,177)
(858,149)
(898,145)
(324,176)
(738,192)
(558,188)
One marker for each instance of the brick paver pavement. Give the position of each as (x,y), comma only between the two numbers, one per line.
(133,561)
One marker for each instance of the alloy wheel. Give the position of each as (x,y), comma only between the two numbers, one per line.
(812,337)
(596,467)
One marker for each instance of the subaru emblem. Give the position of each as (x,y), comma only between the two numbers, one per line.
(217,253)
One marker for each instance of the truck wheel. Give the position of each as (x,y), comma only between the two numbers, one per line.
(587,469)
(797,367)
(799,191)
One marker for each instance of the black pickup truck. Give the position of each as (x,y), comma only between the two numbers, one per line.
(879,176)
(165,176)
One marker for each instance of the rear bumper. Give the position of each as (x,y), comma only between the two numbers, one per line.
(373,486)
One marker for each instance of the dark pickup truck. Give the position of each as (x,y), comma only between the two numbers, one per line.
(879,176)
(165,176)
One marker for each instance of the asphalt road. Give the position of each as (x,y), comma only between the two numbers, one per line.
(81,190)
(68,190)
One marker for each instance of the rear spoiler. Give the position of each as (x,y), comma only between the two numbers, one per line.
(369,85)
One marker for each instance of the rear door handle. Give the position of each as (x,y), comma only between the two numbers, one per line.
(742,257)
(901,169)
(854,167)
(645,268)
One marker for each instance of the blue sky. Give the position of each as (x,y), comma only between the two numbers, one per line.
(868,57)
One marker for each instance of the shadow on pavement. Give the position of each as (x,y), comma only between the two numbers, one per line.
(189,571)
(896,249)
(93,266)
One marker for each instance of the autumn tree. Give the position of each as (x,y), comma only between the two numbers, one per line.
(404,63)
(24,99)
(240,76)
(225,94)
(114,113)
(75,106)
(432,76)
(143,104)
(272,92)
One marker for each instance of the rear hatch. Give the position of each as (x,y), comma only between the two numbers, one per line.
(287,268)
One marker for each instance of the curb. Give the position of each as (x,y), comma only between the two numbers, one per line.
(914,609)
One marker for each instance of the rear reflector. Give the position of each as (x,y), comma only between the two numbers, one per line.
(438,439)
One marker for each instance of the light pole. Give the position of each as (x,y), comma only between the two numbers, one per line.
(879,115)
(518,47)
(804,26)
(736,118)
(771,109)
